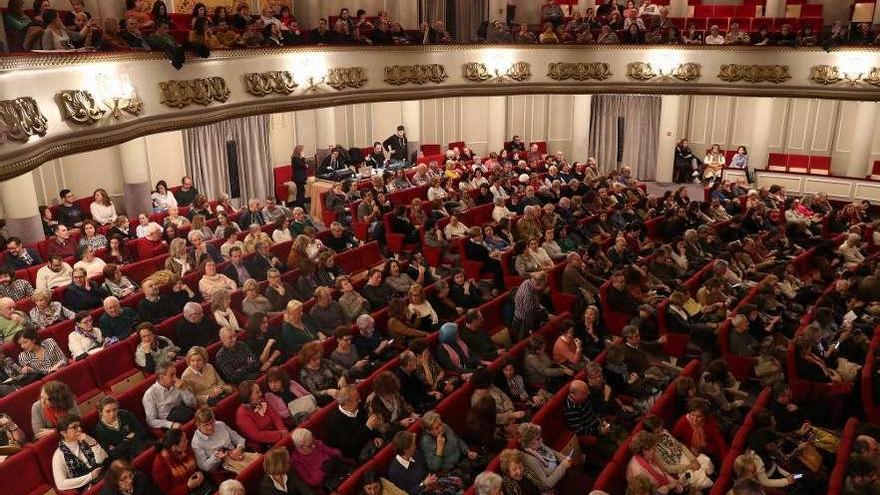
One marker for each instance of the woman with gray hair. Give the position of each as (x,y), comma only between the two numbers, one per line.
(488,483)
(369,342)
(545,466)
(316,464)
(231,487)
(444,451)
(47,312)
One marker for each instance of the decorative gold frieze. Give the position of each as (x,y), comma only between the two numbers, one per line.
(21,118)
(399,75)
(203,91)
(873,77)
(478,72)
(346,77)
(79,106)
(825,74)
(642,71)
(754,73)
(560,71)
(264,83)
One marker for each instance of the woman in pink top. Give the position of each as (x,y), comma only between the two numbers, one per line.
(258,423)
(309,455)
(567,350)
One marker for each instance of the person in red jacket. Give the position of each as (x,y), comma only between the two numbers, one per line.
(699,431)
(258,423)
(152,245)
(174,468)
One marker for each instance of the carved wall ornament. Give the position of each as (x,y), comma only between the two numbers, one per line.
(264,83)
(873,77)
(179,94)
(346,77)
(825,74)
(21,118)
(642,71)
(754,73)
(560,71)
(79,106)
(478,72)
(399,75)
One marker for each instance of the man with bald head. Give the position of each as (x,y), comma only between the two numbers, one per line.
(235,360)
(587,423)
(11,321)
(117,321)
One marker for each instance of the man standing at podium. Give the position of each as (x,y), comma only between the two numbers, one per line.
(396,144)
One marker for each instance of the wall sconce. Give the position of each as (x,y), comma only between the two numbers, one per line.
(479,72)
(311,72)
(118,95)
(643,71)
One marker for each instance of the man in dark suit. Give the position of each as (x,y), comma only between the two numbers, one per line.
(397,144)
(475,250)
(332,163)
(82,294)
(262,261)
(237,269)
(253,215)
(19,257)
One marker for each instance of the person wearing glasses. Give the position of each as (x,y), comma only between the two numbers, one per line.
(78,462)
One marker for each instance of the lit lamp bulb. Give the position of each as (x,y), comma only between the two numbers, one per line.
(118,94)
(853,68)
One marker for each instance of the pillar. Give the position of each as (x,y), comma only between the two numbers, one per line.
(670,108)
(19,197)
(774,8)
(412,121)
(136,185)
(862,137)
(497,131)
(580,127)
(325,132)
(759,145)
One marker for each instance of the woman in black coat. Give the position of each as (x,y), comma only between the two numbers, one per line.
(279,477)
(300,174)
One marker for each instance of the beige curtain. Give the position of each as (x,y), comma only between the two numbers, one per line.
(628,122)
(206,159)
(469,14)
(433,10)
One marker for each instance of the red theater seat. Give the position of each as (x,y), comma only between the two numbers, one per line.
(431,149)
(820,165)
(21,476)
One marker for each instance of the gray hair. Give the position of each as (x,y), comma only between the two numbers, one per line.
(191,309)
(430,417)
(365,321)
(192,236)
(231,487)
(487,483)
(301,436)
(528,432)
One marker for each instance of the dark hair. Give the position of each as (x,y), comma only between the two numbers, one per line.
(81,316)
(65,421)
(114,473)
(197,7)
(172,437)
(199,25)
(49,15)
(368,478)
(28,332)
(158,15)
(63,192)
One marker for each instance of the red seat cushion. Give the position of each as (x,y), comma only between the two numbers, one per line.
(21,476)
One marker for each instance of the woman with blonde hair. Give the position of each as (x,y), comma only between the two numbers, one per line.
(101,208)
(298,256)
(223,313)
(202,379)
(47,312)
(178,260)
(294,332)
(199,224)
(280,478)
(254,302)
(422,314)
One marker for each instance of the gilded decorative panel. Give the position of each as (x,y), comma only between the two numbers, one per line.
(179,94)
(560,71)
(21,118)
(80,107)
(264,83)
(825,74)
(399,75)
(478,72)
(346,77)
(643,71)
(754,73)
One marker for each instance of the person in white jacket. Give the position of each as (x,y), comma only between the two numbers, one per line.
(77,461)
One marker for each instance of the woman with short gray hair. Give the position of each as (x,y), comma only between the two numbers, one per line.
(488,483)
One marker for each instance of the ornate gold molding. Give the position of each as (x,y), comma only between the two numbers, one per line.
(179,94)
(873,77)
(478,72)
(825,74)
(79,106)
(560,71)
(346,77)
(21,118)
(754,74)
(398,75)
(642,71)
(264,83)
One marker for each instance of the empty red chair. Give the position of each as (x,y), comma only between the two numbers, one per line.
(114,368)
(777,162)
(820,165)
(18,406)
(140,270)
(799,164)
(811,10)
(431,149)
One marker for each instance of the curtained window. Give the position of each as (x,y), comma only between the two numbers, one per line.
(233,152)
(624,131)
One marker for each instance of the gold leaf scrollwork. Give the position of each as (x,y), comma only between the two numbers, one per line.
(203,91)
(79,106)
(560,71)
(346,77)
(825,74)
(873,77)
(264,83)
(398,75)
(754,73)
(642,71)
(478,72)
(21,118)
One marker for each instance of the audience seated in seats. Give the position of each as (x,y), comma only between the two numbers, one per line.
(294,331)
(18,257)
(444,451)
(643,467)
(56,402)
(346,355)
(278,292)
(116,284)
(401,324)
(515,480)
(544,466)
(588,424)
(568,349)
(119,432)
(320,376)
(193,329)
(217,446)
(212,281)
(155,307)
(675,459)
(352,303)
(79,459)
(289,399)
(153,349)
(117,322)
(168,403)
(254,302)
(175,471)
(235,360)
(46,312)
(477,339)
(540,370)
(41,356)
(326,313)
(11,321)
(408,469)
(82,293)
(506,414)
(86,339)
(386,402)
(223,314)
(317,464)
(699,431)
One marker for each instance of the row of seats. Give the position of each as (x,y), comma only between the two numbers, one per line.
(801,164)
